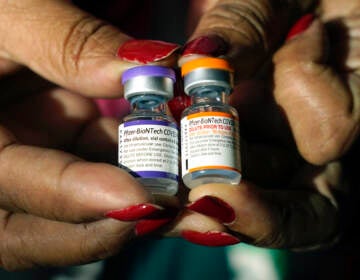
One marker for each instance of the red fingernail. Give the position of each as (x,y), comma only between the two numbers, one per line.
(145,51)
(300,26)
(213,207)
(180,101)
(134,212)
(147,226)
(210,238)
(206,45)
(178,104)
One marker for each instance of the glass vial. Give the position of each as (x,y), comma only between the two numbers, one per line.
(148,136)
(210,146)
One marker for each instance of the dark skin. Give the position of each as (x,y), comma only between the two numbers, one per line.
(53,189)
(314,114)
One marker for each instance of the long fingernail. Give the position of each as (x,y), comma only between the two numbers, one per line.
(210,238)
(134,212)
(147,226)
(206,45)
(156,221)
(214,207)
(300,26)
(145,51)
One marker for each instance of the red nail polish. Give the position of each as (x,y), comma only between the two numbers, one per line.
(206,45)
(210,238)
(181,100)
(147,226)
(134,212)
(145,51)
(213,207)
(178,104)
(300,26)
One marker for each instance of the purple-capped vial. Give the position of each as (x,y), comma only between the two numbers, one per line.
(148,136)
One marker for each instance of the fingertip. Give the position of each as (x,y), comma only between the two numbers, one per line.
(241,208)
(213,207)
(93,189)
(205,45)
(146,51)
(300,26)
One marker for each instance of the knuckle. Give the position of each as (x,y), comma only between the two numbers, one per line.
(83,40)
(334,137)
(96,244)
(247,20)
(6,139)
(11,245)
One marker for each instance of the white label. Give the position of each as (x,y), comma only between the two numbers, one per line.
(209,140)
(149,148)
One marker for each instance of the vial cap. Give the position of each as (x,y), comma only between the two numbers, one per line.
(149,79)
(148,71)
(205,62)
(207,72)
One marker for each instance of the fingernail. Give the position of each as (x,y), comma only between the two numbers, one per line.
(206,45)
(134,212)
(178,104)
(145,51)
(181,100)
(213,207)
(210,238)
(156,221)
(147,226)
(300,26)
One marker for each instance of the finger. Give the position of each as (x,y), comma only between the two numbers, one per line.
(201,230)
(71,48)
(322,110)
(335,9)
(345,41)
(278,219)
(57,185)
(19,84)
(245,32)
(29,241)
(53,118)
(7,67)
(98,141)
(60,119)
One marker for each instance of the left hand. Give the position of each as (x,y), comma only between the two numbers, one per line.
(296,205)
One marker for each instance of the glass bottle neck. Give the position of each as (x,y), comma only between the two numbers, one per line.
(148,103)
(209,94)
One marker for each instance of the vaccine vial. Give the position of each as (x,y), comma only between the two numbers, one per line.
(210,148)
(148,136)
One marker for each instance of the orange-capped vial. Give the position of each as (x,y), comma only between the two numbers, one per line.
(210,145)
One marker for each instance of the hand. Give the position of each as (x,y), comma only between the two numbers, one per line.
(318,96)
(53,202)
(245,33)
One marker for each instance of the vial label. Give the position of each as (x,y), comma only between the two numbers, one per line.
(149,148)
(210,140)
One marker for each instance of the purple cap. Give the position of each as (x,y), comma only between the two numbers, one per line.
(148,70)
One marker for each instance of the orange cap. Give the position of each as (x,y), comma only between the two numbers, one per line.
(205,62)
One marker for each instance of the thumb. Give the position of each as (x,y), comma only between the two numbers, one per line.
(64,44)
(268,218)
(322,107)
